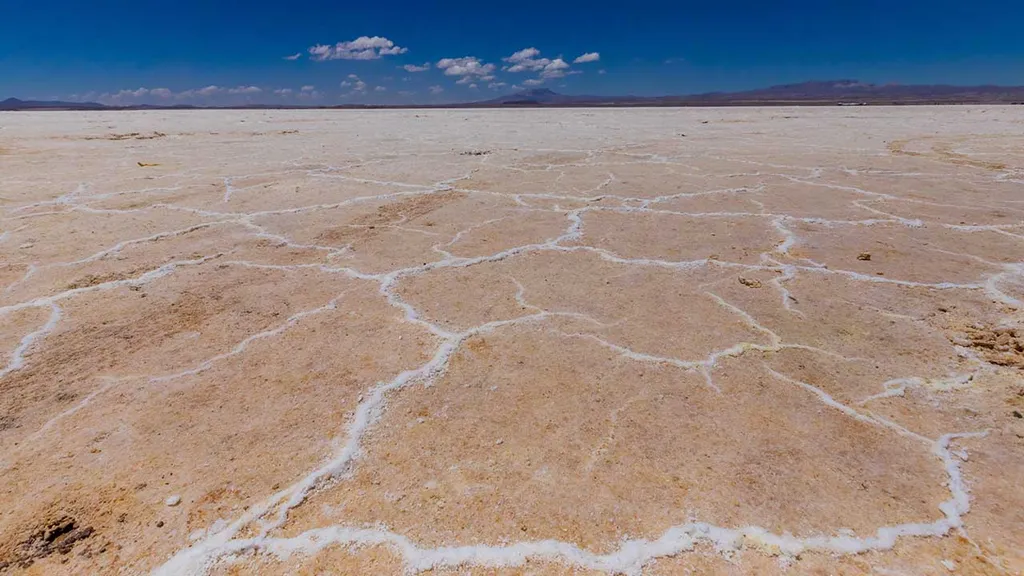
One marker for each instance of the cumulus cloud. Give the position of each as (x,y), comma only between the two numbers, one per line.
(496,85)
(530,60)
(468,68)
(308,92)
(379,89)
(415,68)
(588,57)
(209,90)
(140,93)
(245,90)
(555,69)
(436,89)
(524,55)
(354,83)
(295,56)
(362,48)
(132,93)
(162,95)
(526,60)
(533,82)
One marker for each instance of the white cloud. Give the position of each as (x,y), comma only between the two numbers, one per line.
(472,86)
(362,48)
(354,83)
(556,64)
(308,88)
(526,60)
(295,56)
(533,82)
(529,60)
(436,89)
(602,71)
(468,68)
(523,55)
(132,93)
(588,57)
(245,90)
(141,92)
(415,68)
(379,89)
(283,91)
(555,69)
(161,95)
(496,85)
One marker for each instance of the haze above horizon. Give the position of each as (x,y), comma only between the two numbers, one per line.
(219,53)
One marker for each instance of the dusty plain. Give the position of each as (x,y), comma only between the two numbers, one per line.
(689,341)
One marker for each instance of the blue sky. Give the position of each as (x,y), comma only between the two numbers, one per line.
(221,51)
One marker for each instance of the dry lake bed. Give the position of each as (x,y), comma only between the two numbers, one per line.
(680,341)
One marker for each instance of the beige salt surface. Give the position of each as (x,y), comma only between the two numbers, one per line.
(691,341)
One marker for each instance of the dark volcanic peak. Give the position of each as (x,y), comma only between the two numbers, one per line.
(533,96)
(539,93)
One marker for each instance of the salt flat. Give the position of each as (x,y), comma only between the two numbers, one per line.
(513,341)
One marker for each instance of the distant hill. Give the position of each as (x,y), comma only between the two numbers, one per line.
(835,91)
(537,96)
(805,93)
(816,93)
(15,104)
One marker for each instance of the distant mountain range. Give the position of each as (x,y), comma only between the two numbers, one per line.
(15,104)
(849,92)
(817,93)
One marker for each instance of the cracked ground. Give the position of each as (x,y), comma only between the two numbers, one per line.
(693,341)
